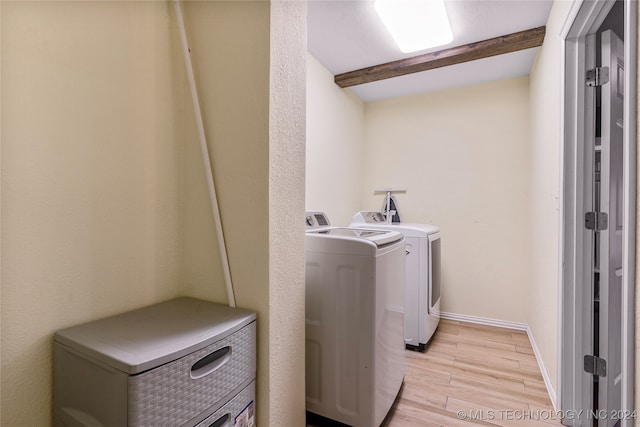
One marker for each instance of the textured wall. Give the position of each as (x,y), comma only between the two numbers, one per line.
(462,155)
(335,146)
(91,175)
(546,144)
(286,210)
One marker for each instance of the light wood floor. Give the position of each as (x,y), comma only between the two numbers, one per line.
(472,375)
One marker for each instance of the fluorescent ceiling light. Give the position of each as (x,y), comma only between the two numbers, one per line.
(415,24)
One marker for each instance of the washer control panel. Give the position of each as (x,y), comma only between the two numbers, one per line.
(316,220)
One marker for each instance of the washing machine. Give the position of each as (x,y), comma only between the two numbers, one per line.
(355,360)
(422,289)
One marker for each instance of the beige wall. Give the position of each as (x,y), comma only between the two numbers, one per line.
(545,105)
(335,138)
(462,155)
(91,178)
(248,59)
(249,63)
(105,206)
(229,44)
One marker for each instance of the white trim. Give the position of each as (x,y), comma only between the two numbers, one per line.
(584,18)
(570,18)
(562,202)
(485,321)
(518,327)
(574,388)
(543,370)
(630,180)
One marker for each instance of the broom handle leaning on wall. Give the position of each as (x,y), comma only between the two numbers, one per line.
(205,155)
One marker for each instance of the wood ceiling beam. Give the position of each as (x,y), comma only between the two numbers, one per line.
(456,55)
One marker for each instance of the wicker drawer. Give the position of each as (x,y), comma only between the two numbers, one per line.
(182,389)
(242,405)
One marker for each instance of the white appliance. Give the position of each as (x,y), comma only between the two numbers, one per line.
(355,360)
(421,302)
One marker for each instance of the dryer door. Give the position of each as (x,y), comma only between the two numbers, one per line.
(434,274)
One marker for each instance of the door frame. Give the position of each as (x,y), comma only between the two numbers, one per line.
(574,339)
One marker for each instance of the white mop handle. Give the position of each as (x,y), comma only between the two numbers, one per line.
(205,155)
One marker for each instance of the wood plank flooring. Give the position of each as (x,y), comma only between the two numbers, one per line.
(471,375)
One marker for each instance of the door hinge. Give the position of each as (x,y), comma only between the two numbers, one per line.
(596,221)
(595,366)
(597,76)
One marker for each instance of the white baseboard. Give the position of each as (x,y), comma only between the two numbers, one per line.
(543,370)
(485,321)
(517,326)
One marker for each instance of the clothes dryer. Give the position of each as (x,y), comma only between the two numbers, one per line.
(422,290)
(355,361)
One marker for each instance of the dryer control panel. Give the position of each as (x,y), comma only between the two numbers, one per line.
(369,217)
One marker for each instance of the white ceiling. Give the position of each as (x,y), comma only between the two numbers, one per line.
(346,35)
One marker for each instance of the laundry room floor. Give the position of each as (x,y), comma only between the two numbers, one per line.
(471,375)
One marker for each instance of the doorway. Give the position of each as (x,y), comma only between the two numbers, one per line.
(599,186)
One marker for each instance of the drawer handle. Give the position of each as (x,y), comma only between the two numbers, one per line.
(220,421)
(210,362)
